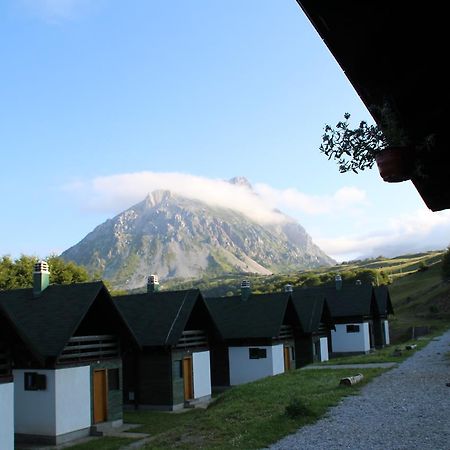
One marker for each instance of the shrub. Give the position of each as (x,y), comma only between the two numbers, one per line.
(298,408)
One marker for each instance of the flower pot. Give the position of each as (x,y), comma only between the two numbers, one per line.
(396,164)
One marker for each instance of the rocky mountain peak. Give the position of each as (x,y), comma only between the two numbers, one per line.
(240,181)
(158,197)
(174,236)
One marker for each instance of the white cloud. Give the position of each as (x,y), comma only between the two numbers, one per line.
(345,199)
(118,192)
(414,232)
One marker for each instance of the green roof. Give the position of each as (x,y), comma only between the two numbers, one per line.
(260,316)
(158,318)
(348,301)
(47,322)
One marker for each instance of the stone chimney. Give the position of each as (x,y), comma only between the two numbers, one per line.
(41,278)
(288,288)
(338,281)
(152,284)
(245,289)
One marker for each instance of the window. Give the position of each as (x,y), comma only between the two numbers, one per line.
(257,353)
(352,328)
(113,380)
(34,381)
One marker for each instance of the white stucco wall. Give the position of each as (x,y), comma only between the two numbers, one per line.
(34,411)
(324,349)
(243,369)
(277,359)
(343,342)
(64,406)
(7,416)
(386,332)
(202,374)
(73,399)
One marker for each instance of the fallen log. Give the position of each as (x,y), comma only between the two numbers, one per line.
(411,347)
(350,381)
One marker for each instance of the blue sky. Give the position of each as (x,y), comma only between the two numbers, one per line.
(102,101)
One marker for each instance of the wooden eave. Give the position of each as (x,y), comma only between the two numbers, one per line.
(392,51)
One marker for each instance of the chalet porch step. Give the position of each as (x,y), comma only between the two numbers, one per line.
(104,428)
(198,402)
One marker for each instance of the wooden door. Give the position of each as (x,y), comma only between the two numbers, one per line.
(287,358)
(187,377)
(100,396)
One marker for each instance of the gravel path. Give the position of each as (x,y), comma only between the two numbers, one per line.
(407,407)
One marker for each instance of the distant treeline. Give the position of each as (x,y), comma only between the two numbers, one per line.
(230,285)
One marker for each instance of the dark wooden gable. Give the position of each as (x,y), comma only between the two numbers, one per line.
(313,311)
(383,299)
(46,323)
(199,330)
(159,319)
(100,334)
(13,350)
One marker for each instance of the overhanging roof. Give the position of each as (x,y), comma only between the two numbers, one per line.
(159,318)
(395,51)
(260,316)
(47,322)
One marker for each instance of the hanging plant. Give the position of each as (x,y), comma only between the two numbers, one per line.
(357,149)
(354,149)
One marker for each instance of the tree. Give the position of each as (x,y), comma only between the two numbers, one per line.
(63,272)
(19,273)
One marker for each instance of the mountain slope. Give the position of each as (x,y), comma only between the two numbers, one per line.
(178,237)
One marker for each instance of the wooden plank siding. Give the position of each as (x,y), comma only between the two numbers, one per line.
(192,338)
(286,333)
(155,378)
(220,365)
(304,351)
(86,348)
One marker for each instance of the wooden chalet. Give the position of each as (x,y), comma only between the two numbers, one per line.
(312,343)
(359,313)
(257,337)
(170,367)
(354,311)
(381,322)
(7,337)
(67,358)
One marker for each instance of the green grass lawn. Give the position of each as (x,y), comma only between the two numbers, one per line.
(383,355)
(249,416)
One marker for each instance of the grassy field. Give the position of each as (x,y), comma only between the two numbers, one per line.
(250,416)
(393,353)
(420,299)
